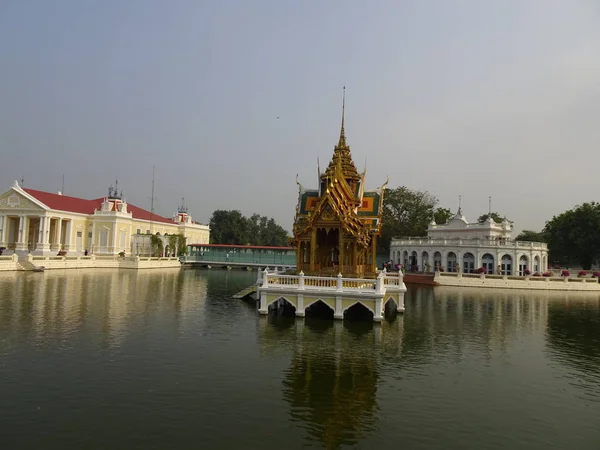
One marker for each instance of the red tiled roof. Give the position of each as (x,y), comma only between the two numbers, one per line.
(83,206)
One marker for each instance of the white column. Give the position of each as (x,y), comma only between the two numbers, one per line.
(59,233)
(68,234)
(44,234)
(3,223)
(20,230)
(339,313)
(300,309)
(90,242)
(22,234)
(400,308)
(263,304)
(114,238)
(378,316)
(47,222)
(40,236)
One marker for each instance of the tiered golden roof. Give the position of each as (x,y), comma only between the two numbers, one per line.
(341,206)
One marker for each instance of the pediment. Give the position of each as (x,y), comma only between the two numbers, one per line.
(328,214)
(13,199)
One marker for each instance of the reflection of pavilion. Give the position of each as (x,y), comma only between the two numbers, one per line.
(331,383)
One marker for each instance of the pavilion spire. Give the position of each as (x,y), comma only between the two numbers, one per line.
(342,141)
(342,152)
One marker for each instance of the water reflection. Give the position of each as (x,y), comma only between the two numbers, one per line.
(154,359)
(573,338)
(331,383)
(55,305)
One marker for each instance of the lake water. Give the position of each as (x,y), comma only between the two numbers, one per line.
(168,360)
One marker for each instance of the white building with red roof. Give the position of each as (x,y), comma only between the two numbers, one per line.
(44,223)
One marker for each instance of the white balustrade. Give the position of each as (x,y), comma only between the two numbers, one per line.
(302,282)
(469,243)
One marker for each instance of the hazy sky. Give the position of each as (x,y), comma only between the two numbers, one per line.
(472,97)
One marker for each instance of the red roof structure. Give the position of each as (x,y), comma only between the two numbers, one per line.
(60,202)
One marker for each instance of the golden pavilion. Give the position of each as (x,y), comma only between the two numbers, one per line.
(336,226)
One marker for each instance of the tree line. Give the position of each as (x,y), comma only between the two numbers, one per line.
(573,237)
(232,227)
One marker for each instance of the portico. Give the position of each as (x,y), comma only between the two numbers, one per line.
(27,232)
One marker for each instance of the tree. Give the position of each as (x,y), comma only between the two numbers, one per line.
(494,215)
(172,243)
(573,235)
(228,227)
(231,227)
(156,245)
(181,244)
(442,215)
(531,236)
(405,213)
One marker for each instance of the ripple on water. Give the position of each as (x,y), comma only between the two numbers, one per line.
(168,359)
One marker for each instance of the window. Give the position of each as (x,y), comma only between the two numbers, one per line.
(79,234)
(139,231)
(104,238)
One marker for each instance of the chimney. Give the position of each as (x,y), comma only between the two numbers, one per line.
(59,193)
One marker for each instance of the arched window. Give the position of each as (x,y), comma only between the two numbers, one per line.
(451,262)
(487,262)
(506,265)
(468,263)
(536,264)
(522,264)
(413,261)
(437,259)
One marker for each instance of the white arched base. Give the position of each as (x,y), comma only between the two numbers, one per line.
(337,293)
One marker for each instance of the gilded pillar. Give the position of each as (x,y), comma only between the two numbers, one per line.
(299,256)
(313,248)
(341,248)
(374,253)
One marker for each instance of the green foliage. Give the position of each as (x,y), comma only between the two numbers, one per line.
(172,243)
(494,215)
(231,227)
(181,244)
(405,213)
(156,245)
(442,215)
(531,236)
(573,235)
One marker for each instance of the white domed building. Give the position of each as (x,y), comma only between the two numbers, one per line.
(459,245)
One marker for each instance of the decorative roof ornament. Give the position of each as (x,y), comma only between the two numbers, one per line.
(182,209)
(342,141)
(341,152)
(301,189)
(113,193)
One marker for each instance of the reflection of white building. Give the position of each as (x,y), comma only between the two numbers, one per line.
(44,223)
(469,246)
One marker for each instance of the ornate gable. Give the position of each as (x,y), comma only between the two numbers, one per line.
(17,199)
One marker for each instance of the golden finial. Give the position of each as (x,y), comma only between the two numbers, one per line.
(342,142)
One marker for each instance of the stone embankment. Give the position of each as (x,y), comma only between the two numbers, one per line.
(29,262)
